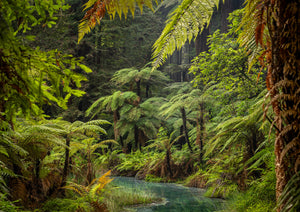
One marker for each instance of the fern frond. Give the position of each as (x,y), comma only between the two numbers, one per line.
(91,128)
(290,197)
(98,8)
(79,189)
(185,22)
(98,122)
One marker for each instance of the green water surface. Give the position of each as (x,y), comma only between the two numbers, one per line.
(178,198)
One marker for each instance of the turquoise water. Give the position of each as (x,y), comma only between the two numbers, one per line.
(178,198)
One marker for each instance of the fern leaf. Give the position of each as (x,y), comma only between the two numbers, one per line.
(98,8)
(185,23)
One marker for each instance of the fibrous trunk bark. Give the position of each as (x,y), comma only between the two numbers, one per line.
(183,115)
(283,82)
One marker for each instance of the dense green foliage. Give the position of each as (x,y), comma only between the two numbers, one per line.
(62,127)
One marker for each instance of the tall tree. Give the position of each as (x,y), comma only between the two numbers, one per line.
(140,122)
(178,103)
(280,43)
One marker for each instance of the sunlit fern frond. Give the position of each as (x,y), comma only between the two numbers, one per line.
(79,189)
(185,23)
(91,128)
(75,125)
(95,108)
(124,76)
(51,129)
(112,102)
(96,9)
(98,122)
(109,141)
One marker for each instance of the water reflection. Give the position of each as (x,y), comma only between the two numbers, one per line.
(178,198)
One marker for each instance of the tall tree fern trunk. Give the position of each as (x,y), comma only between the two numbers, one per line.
(200,132)
(186,136)
(147,91)
(66,165)
(136,138)
(116,131)
(283,82)
(168,161)
(138,88)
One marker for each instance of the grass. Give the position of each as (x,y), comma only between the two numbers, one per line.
(120,197)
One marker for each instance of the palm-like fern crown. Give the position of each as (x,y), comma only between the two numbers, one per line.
(145,116)
(112,102)
(147,76)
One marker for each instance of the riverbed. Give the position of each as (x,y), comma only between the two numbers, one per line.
(177,198)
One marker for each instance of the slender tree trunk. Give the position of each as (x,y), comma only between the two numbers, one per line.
(37,184)
(200,132)
(66,165)
(98,44)
(183,115)
(181,140)
(136,137)
(283,82)
(138,88)
(89,175)
(201,40)
(115,119)
(147,91)
(168,160)
(116,131)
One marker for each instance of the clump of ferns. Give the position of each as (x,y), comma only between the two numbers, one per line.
(92,193)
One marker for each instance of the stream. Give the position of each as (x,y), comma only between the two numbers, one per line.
(177,198)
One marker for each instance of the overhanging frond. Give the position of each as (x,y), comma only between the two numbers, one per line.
(96,10)
(185,23)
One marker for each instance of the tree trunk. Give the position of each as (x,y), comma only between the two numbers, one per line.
(183,115)
(181,140)
(90,171)
(283,82)
(168,161)
(138,88)
(200,132)
(36,181)
(147,91)
(136,137)
(115,119)
(201,40)
(66,165)
(98,44)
